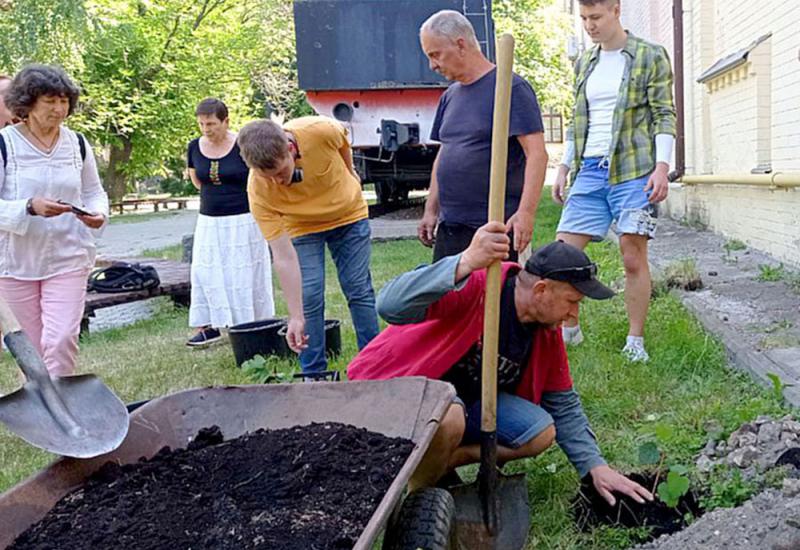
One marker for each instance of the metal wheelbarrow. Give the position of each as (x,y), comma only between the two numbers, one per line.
(406,407)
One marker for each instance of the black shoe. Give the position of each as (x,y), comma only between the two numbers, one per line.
(204,337)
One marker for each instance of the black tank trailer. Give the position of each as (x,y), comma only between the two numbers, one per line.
(360,62)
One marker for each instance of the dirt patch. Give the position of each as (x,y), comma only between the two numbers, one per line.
(311,487)
(592,510)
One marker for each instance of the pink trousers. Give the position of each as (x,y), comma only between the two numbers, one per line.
(50,313)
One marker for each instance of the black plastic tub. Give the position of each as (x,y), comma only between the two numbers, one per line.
(263,338)
(333,337)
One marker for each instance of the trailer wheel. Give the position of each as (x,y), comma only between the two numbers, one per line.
(425,522)
(383,191)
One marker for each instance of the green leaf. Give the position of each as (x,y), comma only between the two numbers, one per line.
(679,469)
(671,490)
(649,453)
(679,484)
(664,432)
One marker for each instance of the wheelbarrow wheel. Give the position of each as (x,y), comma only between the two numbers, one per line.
(424,522)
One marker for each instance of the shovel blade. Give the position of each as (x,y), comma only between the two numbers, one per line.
(513,516)
(95,408)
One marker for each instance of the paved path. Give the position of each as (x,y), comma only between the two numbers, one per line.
(130,239)
(758,321)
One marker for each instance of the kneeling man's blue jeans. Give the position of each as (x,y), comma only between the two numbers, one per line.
(350,249)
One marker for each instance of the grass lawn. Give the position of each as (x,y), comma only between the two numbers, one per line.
(129,217)
(685,385)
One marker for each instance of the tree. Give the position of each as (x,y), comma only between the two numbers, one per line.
(145,67)
(540,30)
(274,67)
(42,32)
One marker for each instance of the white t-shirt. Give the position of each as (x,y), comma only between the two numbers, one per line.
(34,247)
(602,90)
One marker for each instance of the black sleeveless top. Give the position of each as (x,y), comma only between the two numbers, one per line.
(224,181)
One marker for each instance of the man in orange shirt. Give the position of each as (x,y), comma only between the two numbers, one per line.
(305,194)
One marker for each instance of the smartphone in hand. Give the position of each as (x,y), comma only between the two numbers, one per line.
(76,210)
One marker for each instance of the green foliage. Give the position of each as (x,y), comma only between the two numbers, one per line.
(41,32)
(734,245)
(177,187)
(683,274)
(540,29)
(674,487)
(649,453)
(143,66)
(728,489)
(777,385)
(769,273)
(268,370)
(274,69)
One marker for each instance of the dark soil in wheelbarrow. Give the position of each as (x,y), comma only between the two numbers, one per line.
(311,487)
(592,510)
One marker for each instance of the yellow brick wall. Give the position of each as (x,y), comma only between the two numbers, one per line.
(754,118)
(765,219)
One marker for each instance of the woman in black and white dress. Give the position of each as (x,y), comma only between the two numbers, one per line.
(231,272)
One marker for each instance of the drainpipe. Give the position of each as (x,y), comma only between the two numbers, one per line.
(773,181)
(677,56)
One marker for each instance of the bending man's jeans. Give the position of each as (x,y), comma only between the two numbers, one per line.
(350,249)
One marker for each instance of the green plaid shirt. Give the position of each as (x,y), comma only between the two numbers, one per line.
(644,109)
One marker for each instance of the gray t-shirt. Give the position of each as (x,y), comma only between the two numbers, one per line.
(463,125)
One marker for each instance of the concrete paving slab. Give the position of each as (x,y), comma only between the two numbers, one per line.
(758,321)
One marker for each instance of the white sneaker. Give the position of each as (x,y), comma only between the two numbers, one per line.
(634,350)
(572,336)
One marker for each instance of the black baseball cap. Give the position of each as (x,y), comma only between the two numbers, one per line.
(560,261)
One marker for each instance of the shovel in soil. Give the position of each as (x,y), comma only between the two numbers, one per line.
(75,416)
(493,512)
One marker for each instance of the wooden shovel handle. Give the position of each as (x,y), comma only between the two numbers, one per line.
(497,194)
(8,321)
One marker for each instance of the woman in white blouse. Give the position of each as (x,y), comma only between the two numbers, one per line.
(51,205)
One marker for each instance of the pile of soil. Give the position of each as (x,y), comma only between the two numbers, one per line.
(769,521)
(311,487)
(591,509)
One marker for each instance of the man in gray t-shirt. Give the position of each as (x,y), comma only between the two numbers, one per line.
(459,192)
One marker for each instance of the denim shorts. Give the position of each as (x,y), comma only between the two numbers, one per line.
(593,205)
(518,421)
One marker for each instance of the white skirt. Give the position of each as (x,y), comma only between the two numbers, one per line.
(231,272)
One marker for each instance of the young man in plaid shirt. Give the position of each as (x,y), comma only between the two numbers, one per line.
(618,148)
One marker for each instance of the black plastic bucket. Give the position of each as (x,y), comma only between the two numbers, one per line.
(258,338)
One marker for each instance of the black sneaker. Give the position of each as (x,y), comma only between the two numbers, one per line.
(204,337)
